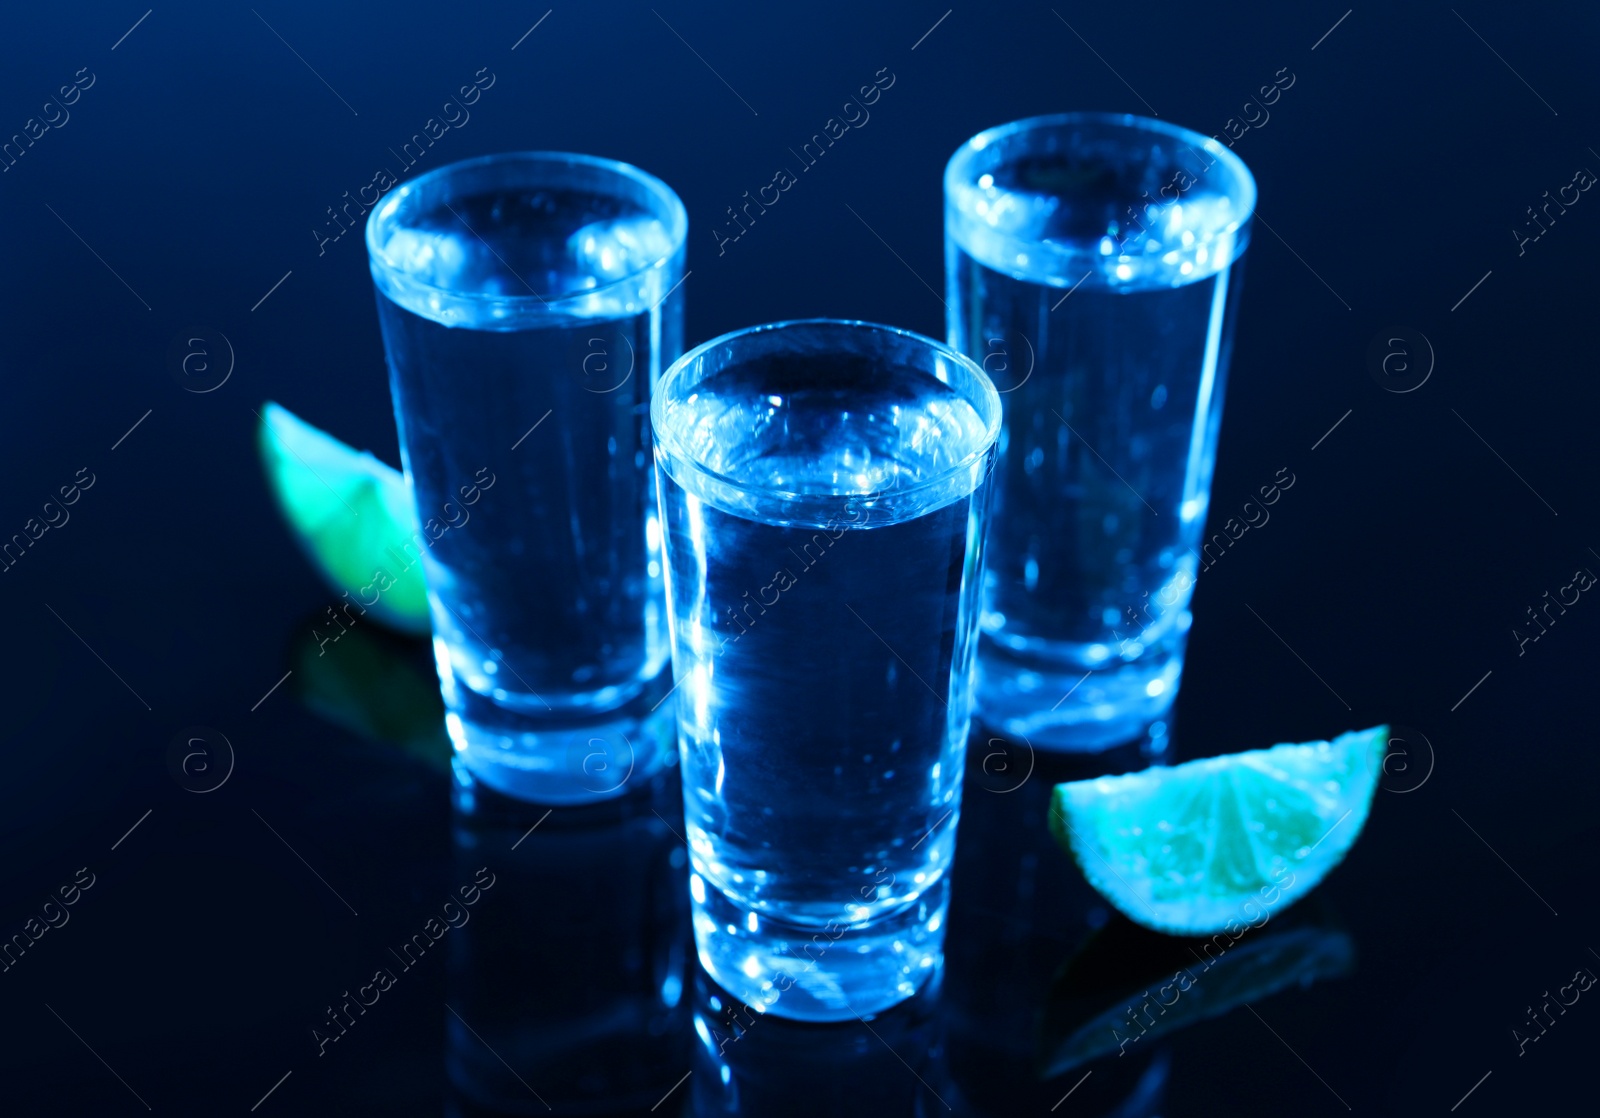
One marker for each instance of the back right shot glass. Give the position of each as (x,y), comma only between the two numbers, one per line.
(823,490)
(1092,266)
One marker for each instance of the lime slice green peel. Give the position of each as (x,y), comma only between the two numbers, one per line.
(1223,842)
(352,514)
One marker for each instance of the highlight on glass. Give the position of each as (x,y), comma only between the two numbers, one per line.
(823,490)
(1092,265)
(528,304)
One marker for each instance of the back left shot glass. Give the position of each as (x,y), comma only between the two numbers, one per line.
(1093,264)
(528,302)
(823,491)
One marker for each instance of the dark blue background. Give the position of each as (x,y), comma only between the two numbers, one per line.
(204,155)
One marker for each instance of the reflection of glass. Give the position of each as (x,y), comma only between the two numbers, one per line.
(823,489)
(1092,263)
(528,303)
(1019,910)
(760,1066)
(567,983)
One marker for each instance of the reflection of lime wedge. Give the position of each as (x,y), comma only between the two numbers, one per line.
(351,513)
(375,685)
(1107,995)
(1199,847)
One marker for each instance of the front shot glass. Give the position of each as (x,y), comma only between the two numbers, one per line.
(1092,266)
(528,303)
(823,488)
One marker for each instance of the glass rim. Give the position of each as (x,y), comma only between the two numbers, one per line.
(1132,123)
(987,401)
(670,205)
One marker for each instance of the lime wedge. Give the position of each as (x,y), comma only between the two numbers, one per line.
(1224,842)
(352,515)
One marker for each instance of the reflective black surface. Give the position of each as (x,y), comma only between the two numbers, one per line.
(229,908)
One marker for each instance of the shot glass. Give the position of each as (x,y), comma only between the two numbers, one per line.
(528,303)
(1092,265)
(823,488)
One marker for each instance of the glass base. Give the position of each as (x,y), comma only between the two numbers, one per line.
(1056,703)
(831,972)
(565,759)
